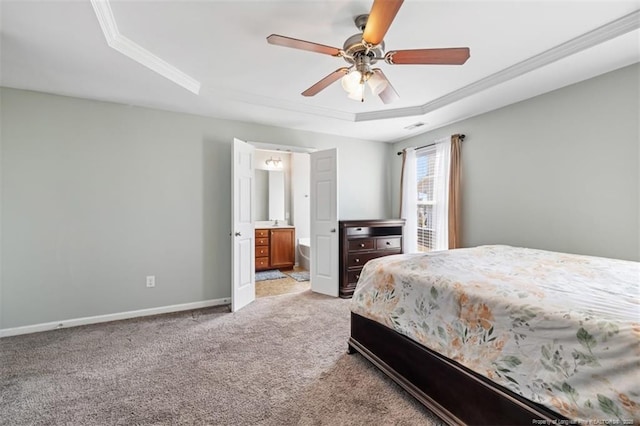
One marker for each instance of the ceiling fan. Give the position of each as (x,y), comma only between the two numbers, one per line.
(364,49)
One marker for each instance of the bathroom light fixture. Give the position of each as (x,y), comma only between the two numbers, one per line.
(274,162)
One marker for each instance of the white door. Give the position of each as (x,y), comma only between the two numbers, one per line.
(243,290)
(324,222)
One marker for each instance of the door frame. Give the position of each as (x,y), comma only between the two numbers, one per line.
(264,146)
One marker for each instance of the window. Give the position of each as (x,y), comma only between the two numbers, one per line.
(425,197)
(425,200)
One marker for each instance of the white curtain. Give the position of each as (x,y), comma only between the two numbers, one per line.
(409,207)
(441,195)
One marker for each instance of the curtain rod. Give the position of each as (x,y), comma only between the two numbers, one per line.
(431,144)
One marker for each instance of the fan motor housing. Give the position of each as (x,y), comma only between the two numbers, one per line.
(354,46)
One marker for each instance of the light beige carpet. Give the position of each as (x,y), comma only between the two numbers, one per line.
(280,361)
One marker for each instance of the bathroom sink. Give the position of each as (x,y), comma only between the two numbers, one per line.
(271,225)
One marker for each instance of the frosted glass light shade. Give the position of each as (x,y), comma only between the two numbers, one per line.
(377,84)
(351,81)
(357,94)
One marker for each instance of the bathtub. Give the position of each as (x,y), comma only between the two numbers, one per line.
(304,253)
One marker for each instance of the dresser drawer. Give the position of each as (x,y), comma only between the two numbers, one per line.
(359,259)
(353,277)
(262,251)
(262,241)
(362,244)
(262,233)
(360,230)
(393,243)
(262,262)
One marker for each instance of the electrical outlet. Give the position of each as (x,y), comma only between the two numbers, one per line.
(151,281)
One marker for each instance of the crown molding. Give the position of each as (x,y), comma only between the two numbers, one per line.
(105,17)
(287,105)
(609,31)
(129,48)
(136,52)
(613,29)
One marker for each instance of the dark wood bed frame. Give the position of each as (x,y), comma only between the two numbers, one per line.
(451,391)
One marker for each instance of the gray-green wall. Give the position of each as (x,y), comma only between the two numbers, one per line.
(96,196)
(558,172)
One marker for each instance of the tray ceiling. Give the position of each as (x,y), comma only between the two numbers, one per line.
(519,49)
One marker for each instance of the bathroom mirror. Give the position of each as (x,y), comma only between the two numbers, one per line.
(276,195)
(262,194)
(270,197)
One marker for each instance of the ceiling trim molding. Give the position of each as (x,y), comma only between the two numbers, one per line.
(136,52)
(129,48)
(259,100)
(613,29)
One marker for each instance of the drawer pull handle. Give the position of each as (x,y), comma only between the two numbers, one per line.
(359,229)
(361,244)
(388,243)
(357,277)
(357,260)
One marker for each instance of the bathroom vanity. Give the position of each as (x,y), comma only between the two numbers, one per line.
(275,247)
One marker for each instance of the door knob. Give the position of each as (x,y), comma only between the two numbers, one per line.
(333,229)
(238,234)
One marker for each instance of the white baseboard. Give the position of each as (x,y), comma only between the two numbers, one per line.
(74,322)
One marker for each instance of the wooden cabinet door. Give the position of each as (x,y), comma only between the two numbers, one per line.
(282,248)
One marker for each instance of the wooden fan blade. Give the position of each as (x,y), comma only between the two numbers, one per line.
(452,56)
(389,94)
(380,18)
(302,44)
(322,84)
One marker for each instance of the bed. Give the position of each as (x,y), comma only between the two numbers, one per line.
(505,335)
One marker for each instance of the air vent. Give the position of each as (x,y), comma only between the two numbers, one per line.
(415,125)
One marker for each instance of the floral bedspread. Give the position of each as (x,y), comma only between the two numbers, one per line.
(559,329)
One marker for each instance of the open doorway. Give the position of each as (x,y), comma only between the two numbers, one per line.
(282,222)
(323,221)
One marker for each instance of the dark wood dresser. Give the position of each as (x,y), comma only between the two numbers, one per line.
(363,240)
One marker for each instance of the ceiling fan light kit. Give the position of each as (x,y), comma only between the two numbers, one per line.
(354,82)
(357,94)
(377,83)
(364,49)
(351,81)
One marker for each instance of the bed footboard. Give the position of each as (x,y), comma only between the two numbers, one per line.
(449,390)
